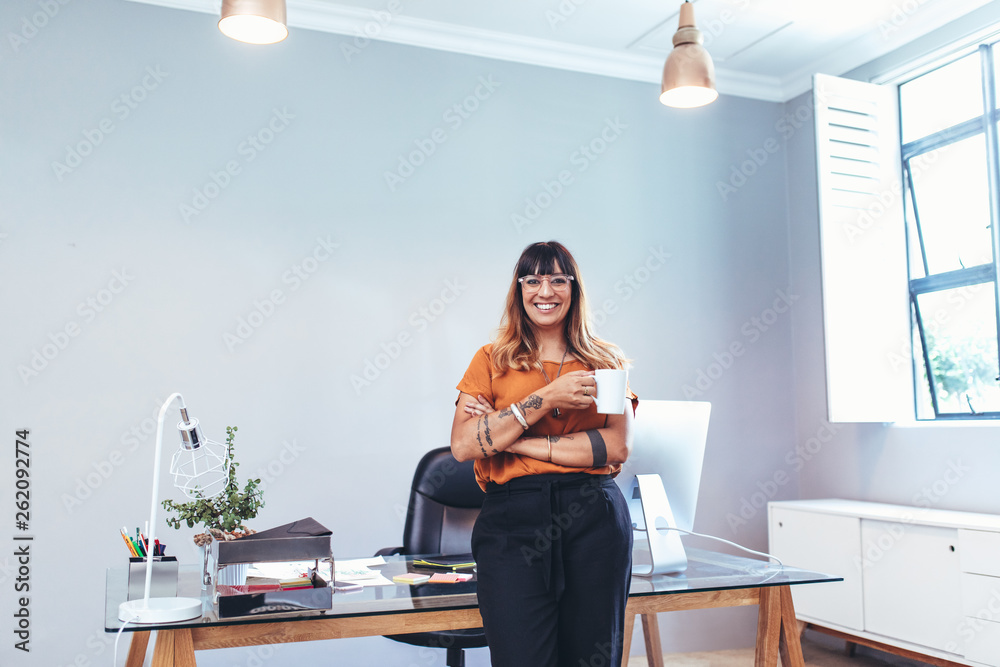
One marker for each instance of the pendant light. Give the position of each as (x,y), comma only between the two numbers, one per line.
(254,21)
(689,74)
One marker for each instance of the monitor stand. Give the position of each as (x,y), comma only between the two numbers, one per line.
(649,506)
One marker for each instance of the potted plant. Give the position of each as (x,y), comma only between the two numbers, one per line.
(223,516)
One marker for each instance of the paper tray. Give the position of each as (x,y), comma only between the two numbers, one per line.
(277,602)
(272,550)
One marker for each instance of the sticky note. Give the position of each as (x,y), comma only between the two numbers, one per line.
(449,577)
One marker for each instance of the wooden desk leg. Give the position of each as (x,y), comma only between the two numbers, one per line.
(163,652)
(768,627)
(789,646)
(137,649)
(174,648)
(651,633)
(184,649)
(627,639)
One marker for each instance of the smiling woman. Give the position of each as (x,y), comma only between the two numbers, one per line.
(553,538)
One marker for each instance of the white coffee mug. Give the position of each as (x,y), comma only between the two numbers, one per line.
(611,384)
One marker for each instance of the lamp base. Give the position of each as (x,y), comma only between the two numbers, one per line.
(159,610)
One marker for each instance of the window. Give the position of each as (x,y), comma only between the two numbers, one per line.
(948,129)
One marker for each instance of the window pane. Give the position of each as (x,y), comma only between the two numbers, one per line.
(960,326)
(953,204)
(925,407)
(921,100)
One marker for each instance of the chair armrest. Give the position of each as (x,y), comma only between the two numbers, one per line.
(389,551)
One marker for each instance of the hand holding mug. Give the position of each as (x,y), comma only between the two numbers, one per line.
(572,391)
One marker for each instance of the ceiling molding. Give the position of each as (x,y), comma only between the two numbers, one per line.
(635,65)
(351,22)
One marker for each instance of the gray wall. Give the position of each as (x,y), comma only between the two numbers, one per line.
(710,317)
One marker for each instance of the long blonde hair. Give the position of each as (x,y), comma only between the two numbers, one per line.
(515,346)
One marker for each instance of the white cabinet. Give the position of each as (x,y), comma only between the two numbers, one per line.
(823,543)
(920,580)
(912,588)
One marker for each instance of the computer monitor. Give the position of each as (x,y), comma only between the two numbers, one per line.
(668,440)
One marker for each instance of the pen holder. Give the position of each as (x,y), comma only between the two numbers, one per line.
(164,583)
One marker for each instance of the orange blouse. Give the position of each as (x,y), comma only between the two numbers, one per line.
(516,385)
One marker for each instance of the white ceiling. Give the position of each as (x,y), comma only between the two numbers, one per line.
(764,49)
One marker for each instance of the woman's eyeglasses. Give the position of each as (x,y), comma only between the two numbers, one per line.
(559,282)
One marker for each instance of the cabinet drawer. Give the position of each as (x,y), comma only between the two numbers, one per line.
(981,596)
(982,642)
(980,551)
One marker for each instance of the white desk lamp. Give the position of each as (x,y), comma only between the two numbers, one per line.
(200,469)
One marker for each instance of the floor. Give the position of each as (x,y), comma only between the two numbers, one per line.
(818,650)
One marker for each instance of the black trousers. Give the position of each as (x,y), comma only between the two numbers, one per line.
(554,559)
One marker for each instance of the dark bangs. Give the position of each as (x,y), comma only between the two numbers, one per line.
(541,259)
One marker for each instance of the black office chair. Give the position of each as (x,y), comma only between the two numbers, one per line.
(444,503)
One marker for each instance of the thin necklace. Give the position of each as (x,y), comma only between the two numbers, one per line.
(555,411)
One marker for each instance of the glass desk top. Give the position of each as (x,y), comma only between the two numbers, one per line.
(707,571)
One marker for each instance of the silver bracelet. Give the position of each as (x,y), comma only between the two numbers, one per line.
(518,416)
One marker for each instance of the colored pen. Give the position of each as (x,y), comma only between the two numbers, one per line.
(128,543)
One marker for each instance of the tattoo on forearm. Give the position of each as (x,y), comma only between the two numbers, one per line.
(479,437)
(489,440)
(506,412)
(533,402)
(598,447)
